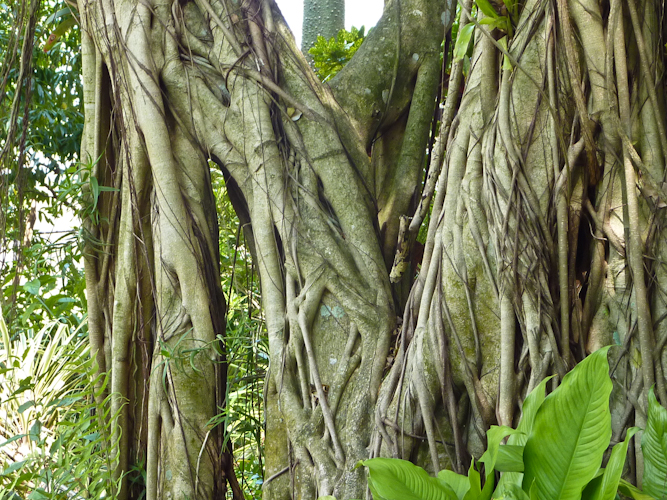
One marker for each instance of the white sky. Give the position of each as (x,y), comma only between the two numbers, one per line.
(357,13)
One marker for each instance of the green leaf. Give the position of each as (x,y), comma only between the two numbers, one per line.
(605,487)
(13,467)
(507,64)
(631,491)
(511,491)
(529,409)
(462,41)
(95,188)
(12,439)
(571,432)
(25,406)
(654,447)
(486,7)
(475,490)
(33,286)
(394,479)
(510,458)
(494,436)
(495,22)
(531,405)
(35,431)
(457,482)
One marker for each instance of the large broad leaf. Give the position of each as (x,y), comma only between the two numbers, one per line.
(494,437)
(605,486)
(531,404)
(510,458)
(457,482)
(571,432)
(654,447)
(394,479)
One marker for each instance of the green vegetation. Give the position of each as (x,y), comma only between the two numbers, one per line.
(554,454)
(329,56)
(56,427)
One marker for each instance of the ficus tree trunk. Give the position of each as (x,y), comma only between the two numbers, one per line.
(543,194)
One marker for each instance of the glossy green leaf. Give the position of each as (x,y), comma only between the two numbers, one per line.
(571,432)
(457,482)
(509,4)
(510,458)
(631,491)
(495,22)
(511,491)
(462,41)
(394,479)
(474,479)
(529,409)
(486,7)
(494,437)
(606,486)
(654,447)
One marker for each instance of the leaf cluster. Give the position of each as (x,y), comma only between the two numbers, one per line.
(329,56)
(55,439)
(555,453)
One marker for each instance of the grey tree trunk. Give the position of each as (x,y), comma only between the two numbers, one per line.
(545,238)
(321,18)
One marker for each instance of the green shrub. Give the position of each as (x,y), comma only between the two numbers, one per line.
(554,454)
(54,442)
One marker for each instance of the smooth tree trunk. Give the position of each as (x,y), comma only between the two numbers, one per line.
(321,18)
(543,199)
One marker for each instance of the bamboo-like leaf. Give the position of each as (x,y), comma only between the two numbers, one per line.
(394,479)
(486,7)
(572,430)
(654,447)
(462,41)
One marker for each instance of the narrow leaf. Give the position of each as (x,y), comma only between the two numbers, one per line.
(614,469)
(462,41)
(475,490)
(486,7)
